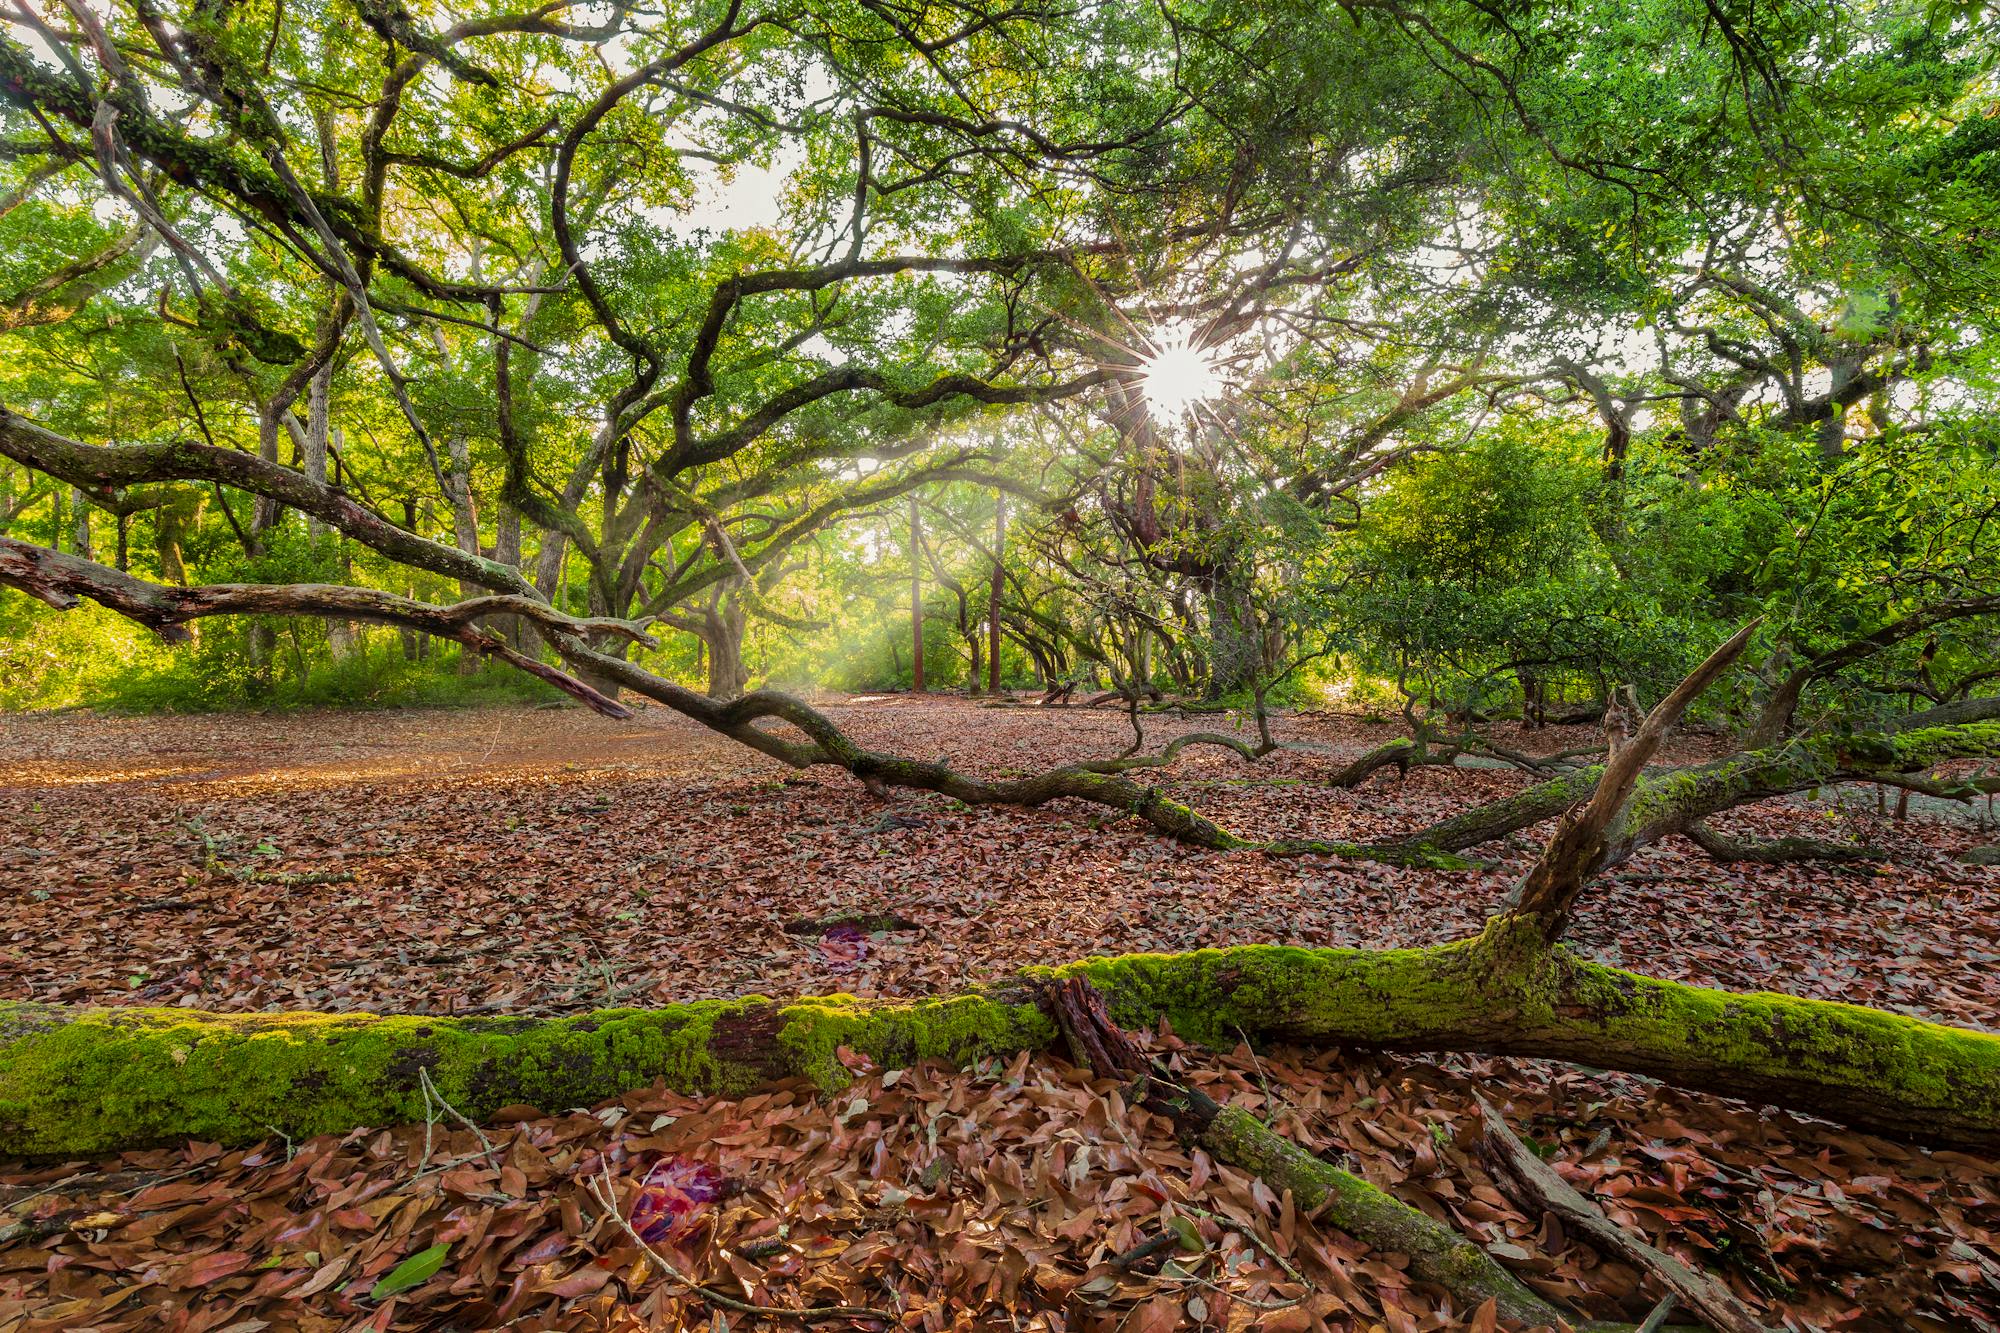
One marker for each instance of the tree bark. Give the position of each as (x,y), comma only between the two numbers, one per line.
(722,626)
(464,520)
(171,523)
(177,460)
(507,550)
(319,406)
(80,520)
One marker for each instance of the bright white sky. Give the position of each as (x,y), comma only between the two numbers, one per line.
(747,198)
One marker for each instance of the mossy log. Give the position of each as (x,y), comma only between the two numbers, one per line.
(1344,1200)
(1670,800)
(80,1081)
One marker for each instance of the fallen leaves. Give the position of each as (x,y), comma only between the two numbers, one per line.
(548,862)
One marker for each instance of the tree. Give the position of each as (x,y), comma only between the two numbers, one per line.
(671,418)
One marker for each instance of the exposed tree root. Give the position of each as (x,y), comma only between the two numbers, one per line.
(79,1081)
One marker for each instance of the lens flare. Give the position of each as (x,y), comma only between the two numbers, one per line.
(1178,374)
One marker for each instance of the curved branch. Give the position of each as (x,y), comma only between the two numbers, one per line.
(95,466)
(1243,749)
(61,579)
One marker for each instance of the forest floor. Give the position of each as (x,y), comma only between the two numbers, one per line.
(549,861)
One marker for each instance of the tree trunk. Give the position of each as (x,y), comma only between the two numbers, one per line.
(78,1082)
(171,524)
(993,596)
(319,402)
(413,648)
(314,453)
(916,600)
(80,519)
(267,510)
(464,522)
(507,551)
(1235,645)
(722,636)
(343,637)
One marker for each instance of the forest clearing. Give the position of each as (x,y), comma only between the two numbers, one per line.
(1047,666)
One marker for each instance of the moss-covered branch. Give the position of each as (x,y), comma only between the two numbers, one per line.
(1776,851)
(1345,1201)
(82,1081)
(1670,801)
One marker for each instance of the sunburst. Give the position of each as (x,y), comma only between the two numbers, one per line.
(1177,374)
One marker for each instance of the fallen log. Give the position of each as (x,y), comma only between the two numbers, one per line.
(1776,851)
(81,1081)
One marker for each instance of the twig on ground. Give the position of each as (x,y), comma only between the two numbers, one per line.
(431,1093)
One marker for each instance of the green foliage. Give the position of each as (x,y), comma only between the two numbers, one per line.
(56,659)
(1558,340)
(214,676)
(1502,512)
(1478,566)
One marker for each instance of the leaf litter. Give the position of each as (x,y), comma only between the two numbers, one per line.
(413,862)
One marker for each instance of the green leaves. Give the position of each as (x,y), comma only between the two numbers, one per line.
(414,1271)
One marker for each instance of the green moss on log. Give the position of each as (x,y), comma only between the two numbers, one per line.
(958,1029)
(1881,1069)
(88,1080)
(1326,1193)
(94,1079)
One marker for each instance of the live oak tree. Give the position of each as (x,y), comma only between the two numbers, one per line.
(437,263)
